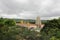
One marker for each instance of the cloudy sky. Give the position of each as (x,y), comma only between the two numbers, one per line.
(30,9)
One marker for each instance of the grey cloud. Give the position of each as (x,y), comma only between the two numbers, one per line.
(13,7)
(43,8)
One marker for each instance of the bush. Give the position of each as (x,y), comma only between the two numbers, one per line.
(10,22)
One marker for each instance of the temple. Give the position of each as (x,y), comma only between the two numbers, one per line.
(37,24)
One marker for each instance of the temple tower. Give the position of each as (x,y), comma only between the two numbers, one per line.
(38,21)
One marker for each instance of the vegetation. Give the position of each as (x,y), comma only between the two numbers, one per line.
(10,31)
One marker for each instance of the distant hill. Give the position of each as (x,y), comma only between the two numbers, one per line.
(29,20)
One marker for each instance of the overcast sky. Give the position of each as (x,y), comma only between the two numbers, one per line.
(30,9)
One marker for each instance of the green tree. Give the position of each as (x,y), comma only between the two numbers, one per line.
(10,22)
(2,22)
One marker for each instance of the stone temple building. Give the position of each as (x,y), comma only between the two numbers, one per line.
(37,24)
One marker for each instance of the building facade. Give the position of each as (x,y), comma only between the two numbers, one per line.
(37,24)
